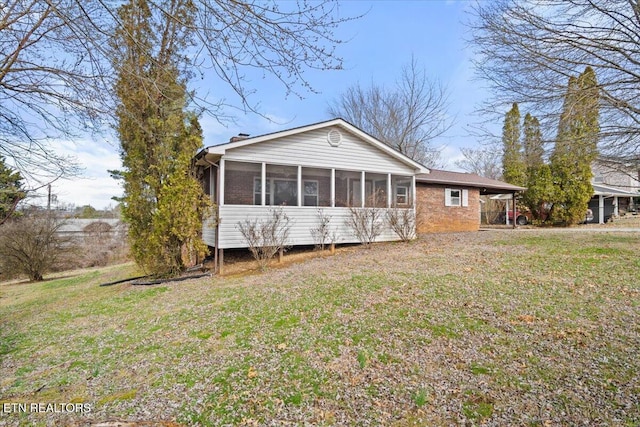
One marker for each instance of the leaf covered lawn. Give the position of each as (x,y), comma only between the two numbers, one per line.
(491,328)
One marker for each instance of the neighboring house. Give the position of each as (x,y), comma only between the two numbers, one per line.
(331,166)
(80,229)
(450,201)
(614,186)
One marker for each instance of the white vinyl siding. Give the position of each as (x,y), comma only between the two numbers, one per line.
(209,231)
(303,219)
(456,197)
(311,149)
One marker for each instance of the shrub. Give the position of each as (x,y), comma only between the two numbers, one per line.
(402,222)
(265,237)
(367,223)
(322,234)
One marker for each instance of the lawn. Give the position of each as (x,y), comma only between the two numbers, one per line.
(492,328)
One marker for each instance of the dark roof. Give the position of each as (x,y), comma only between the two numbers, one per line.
(486,185)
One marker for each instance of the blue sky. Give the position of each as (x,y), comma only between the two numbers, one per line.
(378,45)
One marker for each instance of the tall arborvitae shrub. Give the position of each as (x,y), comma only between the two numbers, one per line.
(576,149)
(513,167)
(163,202)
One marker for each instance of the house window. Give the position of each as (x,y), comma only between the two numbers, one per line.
(402,191)
(316,187)
(402,195)
(310,193)
(456,197)
(348,188)
(283,185)
(277,192)
(285,192)
(257,191)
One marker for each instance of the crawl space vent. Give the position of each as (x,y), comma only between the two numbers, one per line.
(334,137)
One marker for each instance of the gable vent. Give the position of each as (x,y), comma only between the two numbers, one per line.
(334,137)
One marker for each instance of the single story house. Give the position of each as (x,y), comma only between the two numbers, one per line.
(608,202)
(329,168)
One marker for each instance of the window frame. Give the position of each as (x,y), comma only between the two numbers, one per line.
(405,195)
(305,195)
(461,200)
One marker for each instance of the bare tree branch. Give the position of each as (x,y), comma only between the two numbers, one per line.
(56,64)
(528,49)
(408,117)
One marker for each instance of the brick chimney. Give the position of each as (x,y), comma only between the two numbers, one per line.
(240,137)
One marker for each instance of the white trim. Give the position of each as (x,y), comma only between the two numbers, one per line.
(300,185)
(221,182)
(316,195)
(263,187)
(389,191)
(448,198)
(465,197)
(414,195)
(333,188)
(363,189)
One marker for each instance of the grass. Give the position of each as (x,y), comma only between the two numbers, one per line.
(500,327)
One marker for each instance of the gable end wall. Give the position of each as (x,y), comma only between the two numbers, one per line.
(311,149)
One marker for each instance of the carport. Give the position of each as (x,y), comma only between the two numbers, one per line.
(605,202)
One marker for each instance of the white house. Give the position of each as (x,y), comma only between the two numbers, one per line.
(332,165)
(615,186)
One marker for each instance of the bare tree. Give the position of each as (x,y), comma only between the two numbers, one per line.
(481,161)
(408,117)
(528,49)
(31,245)
(56,73)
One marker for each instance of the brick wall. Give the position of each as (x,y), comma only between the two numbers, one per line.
(238,187)
(433,216)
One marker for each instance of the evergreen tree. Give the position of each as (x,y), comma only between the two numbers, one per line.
(11,191)
(163,202)
(513,167)
(539,182)
(576,149)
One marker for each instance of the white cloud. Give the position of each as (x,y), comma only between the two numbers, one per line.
(95,186)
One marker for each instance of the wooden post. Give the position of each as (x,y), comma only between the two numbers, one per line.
(280,255)
(221,261)
(215,256)
(332,248)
